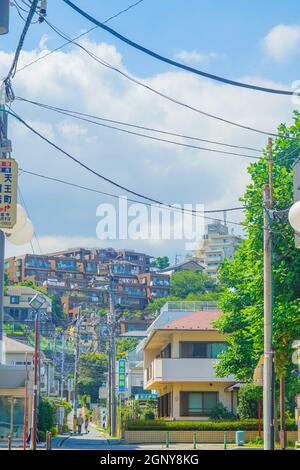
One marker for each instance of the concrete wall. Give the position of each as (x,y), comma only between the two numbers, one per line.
(140,437)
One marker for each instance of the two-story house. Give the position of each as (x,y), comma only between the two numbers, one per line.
(180,354)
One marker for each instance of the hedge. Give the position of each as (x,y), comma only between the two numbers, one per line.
(160,425)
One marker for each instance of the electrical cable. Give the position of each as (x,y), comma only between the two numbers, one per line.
(161,94)
(172,62)
(213,211)
(79,36)
(77,114)
(159,139)
(12,70)
(99,175)
(34,233)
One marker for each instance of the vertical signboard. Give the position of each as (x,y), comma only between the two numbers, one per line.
(8,192)
(122,376)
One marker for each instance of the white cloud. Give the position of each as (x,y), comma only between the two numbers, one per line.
(43,42)
(195,57)
(64,216)
(282,42)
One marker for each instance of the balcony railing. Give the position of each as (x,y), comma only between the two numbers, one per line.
(182,370)
(187,306)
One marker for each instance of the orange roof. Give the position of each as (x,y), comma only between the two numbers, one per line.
(195,321)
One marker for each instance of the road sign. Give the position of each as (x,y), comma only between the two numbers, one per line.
(122,376)
(8,192)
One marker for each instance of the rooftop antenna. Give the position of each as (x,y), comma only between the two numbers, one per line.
(225,218)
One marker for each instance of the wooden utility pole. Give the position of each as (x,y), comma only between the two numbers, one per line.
(35,383)
(268,385)
(25,403)
(77,350)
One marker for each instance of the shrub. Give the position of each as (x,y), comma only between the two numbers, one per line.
(149,415)
(41,436)
(220,412)
(160,425)
(54,431)
(248,401)
(46,415)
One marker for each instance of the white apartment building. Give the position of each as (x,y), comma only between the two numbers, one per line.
(217,245)
(180,354)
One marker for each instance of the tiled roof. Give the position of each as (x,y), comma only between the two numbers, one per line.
(196,321)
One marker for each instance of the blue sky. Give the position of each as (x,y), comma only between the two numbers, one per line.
(253,41)
(232,29)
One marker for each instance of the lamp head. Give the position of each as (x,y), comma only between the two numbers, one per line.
(294,216)
(37,301)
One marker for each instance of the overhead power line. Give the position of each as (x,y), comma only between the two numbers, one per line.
(79,36)
(159,139)
(12,70)
(99,175)
(78,114)
(161,94)
(97,191)
(173,62)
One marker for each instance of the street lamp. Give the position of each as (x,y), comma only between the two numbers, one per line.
(294,216)
(36,303)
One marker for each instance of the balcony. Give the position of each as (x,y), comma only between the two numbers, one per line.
(182,370)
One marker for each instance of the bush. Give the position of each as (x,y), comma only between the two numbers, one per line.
(160,425)
(220,412)
(53,431)
(149,415)
(248,401)
(41,436)
(46,415)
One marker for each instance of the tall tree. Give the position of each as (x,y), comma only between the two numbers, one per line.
(190,282)
(162,262)
(242,277)
(92,369)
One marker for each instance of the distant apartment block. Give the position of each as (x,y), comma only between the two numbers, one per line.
(78,277)
(217,245)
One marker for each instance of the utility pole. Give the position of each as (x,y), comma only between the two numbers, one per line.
(25,403)
(112,360)
(4,146)
(77,349)
(35,384)
(62,366)
(268,383)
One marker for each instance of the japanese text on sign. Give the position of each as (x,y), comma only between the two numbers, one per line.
(122,375)
(8,192)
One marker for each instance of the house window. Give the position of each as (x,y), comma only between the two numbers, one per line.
(197,403)
(201,350)
(14,299)
(164,405)
(166,352)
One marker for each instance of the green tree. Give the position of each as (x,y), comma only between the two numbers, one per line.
(92,368)
(124,345)
(242,277)
(162,262)
(46,416)
(190,282)
(249,395)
